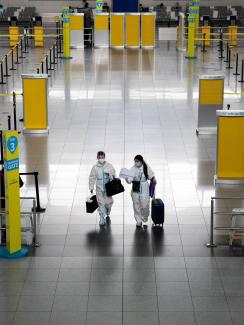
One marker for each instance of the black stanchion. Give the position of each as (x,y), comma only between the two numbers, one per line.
(21,49)
(2,82)
(38,71)
(9,122)
(42,67)
(227,53)
(242,71)
(204,43)
(237,64)
(228,107)
(17,54)
(12,61)
(229,67)
(6,67)
(221,47)
(54,56)
(50,60)
(14,111)
(39,209)
(47,69)
(25,45)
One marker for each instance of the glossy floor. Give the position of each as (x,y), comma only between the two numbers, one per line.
(124,102)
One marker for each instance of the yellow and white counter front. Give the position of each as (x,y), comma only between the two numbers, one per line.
(101,30)
(77,30)
(132,30)
(230,147)
(117,30)
(148,20)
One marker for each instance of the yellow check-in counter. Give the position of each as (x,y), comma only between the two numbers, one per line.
(14,37)
(77,30)
(38,38)
(148,28)
(35,106)
(117,30)
(101,30)
(232,35)
(206,32)
(132,30)
(230,147)
(211,99)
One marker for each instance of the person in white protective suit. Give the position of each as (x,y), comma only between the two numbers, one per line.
(140,174)
(101,174)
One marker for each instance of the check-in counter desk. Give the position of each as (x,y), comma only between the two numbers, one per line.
(117,30)
(77,30)
(230,147)
(148,20)
(132,30)
(101,30)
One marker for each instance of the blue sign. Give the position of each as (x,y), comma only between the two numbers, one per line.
(10,165)
(12,144)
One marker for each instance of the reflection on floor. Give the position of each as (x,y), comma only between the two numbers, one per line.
(125,102)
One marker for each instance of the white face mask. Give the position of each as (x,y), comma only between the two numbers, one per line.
(101,160)
(138,164)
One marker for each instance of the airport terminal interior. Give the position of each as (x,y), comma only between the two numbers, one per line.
(175,97)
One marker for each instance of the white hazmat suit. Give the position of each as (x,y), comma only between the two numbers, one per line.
(100,175)
(141,200)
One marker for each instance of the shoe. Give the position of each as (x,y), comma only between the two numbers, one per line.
(138,224)
(108,220)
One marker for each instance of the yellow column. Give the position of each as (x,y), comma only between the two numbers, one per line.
(99,6)
(12,197)
(191,35)
(66,33)
(195,4)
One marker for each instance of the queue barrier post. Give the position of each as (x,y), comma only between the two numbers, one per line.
(227,53)
(242,71)
(6,67)
(237,65)
(9,122)
(2,82)
(12,60)
(229,61)
(17,54)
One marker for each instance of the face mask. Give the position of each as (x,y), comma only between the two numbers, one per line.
(101,160)
(138,164)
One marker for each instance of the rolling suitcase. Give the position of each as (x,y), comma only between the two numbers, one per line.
(157,212)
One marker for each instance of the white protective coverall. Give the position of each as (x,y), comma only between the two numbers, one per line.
(141,200)
(100,175)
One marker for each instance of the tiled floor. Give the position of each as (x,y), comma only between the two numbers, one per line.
(125,102)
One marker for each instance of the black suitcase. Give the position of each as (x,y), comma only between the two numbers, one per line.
(157,212)
(92,204)
(114,187)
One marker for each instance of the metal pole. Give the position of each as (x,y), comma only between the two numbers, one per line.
(12,61)
(2,80)
(1,143)
(42,67)
(47,69)
(54,56)
(229,67)
(6,67)
(9,122)
(227,53)
(242,71)
(21,49)
(14,109)
(237,65)
(204,44)
(34,209)
(37,70)
(38,208)
(17,54)
(211,243)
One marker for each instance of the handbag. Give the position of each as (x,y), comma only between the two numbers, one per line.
(91,204)
(114,187)
(136,186)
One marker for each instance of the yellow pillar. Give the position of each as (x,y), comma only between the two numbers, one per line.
(66,33)
(191,35)
(12,196)
(196,13)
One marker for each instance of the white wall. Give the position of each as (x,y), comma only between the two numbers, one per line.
(56,6)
